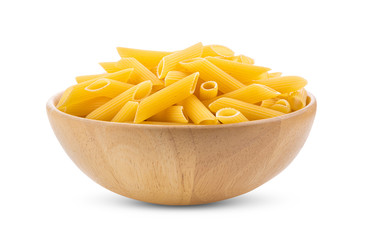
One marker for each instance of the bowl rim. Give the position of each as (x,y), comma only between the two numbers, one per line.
(311,102)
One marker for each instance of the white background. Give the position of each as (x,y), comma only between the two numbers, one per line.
(44,44)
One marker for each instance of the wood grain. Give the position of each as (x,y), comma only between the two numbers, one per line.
(183,164)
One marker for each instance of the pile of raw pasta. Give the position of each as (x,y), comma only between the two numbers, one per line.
(197,85)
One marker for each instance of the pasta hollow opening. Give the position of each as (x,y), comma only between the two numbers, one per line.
(227,112)
(209,85)
(98,85)
(142,90)
(193,87)
(160,67)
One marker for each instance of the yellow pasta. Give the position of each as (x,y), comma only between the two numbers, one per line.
(108,110)
(284,84)
(197,85)
(174,76)
(126,113)
(140,74)
(268,75)
(80,79)
(166,97)
(298,99)
(230,115)
(109,67)
(243,72)
(267,103)
(250,111)
(82,109)
(216,50)
(91,89)
(251,94)
(208,90)
(274,74)
(240,59)
(148,58)
(171,114)
(169,62)
(245,59)
(122,76)
(281,105)
(197,111)
(210,72)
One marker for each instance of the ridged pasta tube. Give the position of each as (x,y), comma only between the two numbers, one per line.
(208,90)
(148,58)
(174,76)
(166,97)
(250,111)
(122,76)
(169,62)
(243,72)
(108,110)
(298,99)
(126,113)
(197,111)
(140,74)
(109,67)
(91,89)
(230,115)
(82,109)
(281,105)
(171,114)
(217,50)
(284,84)
(210,72)
(251,94)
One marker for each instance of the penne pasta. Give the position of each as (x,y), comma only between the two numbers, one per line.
(122,75)
(210,72)
(199,84)
(166,97)
(171,114)
(298,99)
(250,111)
(140,74)
(208,90)
(230,115)
(284,84)
(251,94)
(245,59)
(126,113)
(268,75)
(148,58)
(240,59)
(274,74)
(91,89)
(174,76)
(109,67)
(243,72)
(267,103)
(216,50)
(281,105)
(82,109)
(80,79)
(169,62)
(108,110)
(197,111)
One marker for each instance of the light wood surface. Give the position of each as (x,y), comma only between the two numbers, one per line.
(182,164)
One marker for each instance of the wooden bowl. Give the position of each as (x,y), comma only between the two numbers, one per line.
(182,164)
